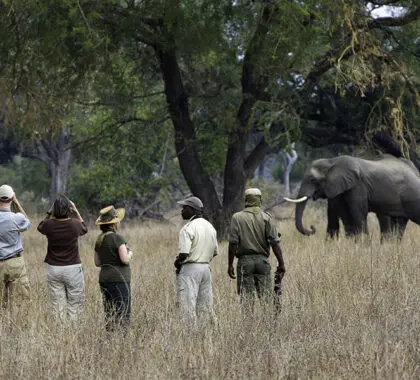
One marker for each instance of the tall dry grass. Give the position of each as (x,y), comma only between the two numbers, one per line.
(350,310)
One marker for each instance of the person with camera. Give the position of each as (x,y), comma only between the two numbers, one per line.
(252,233)
(113,256)
(13,221)
(62,226)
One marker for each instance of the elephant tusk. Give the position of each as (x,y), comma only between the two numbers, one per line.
(300,200)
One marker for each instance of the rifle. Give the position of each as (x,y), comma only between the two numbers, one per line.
(278,289)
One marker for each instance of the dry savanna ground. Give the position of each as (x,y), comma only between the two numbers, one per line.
(350,310)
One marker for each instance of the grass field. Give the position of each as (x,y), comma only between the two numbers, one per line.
(350,311)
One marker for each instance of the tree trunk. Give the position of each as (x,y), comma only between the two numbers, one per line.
(289,160)
(194,173)
(261,169)
(59,173)
(240,164)
(54,150)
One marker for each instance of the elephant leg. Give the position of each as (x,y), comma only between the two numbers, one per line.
(333,226)
(391,226)
(347,220)
(412,210)
(398,225)
(384,226)
(357,207)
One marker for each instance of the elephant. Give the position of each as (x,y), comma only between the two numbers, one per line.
(388,186)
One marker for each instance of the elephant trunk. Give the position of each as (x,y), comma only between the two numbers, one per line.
(300,207)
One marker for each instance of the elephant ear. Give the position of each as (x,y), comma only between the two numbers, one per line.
(341,177)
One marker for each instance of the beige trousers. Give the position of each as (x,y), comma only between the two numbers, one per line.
(67,290)
(195,294)
(15,282)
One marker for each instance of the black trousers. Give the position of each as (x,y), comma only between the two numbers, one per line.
(117,303)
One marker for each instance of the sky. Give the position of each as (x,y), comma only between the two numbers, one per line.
(386,11)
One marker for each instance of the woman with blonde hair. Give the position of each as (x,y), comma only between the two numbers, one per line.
(113,257)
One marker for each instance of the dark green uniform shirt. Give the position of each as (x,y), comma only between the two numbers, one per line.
(254,231)
(112,268)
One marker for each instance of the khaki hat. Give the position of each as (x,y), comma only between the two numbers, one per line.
(6,193)
(110,215)
(253,191)
(193,202)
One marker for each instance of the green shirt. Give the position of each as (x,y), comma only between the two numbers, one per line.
(112,268)
(254,231)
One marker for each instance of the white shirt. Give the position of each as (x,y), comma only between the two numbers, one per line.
(198,238)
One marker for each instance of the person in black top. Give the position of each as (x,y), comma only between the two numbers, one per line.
(113,257)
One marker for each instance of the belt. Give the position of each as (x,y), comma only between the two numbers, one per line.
(252,254)
(19,254)
(192,262)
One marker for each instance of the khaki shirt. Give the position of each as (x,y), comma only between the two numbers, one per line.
(198,238)
(254,231)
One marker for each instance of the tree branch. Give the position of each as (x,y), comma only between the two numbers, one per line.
(260,151)
(403,47)
(342,51)
(177,100)
(110,104)
(142,28)
(381,3)
(118,124)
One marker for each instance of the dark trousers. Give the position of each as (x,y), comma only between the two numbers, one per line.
(253,275)
(117,303)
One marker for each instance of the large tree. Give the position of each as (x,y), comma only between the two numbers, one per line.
(241,77)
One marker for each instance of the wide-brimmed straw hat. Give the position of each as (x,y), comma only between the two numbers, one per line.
(110,215)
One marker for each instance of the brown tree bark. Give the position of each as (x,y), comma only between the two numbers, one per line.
(240,164)
(194,173)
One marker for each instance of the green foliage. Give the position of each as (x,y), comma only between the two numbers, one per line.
(24,174)
(270,190)
(92,67)
(30,180)
(133,162)
(296,173)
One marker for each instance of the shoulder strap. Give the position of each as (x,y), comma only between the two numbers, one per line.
(101,238)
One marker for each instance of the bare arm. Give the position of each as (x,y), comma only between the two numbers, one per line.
(48,214)
(123,253)
(19,207)
(97,260)
(76,211)
(216,250)
(231,257)
(279,255)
